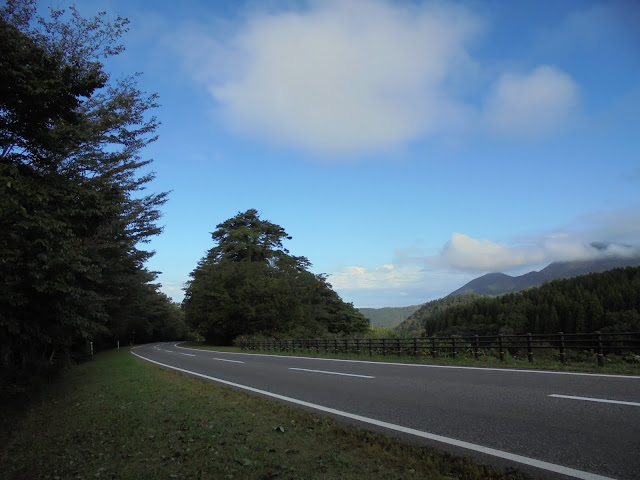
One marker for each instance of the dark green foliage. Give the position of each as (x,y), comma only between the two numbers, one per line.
(72,209)
(248,284)
(608,301)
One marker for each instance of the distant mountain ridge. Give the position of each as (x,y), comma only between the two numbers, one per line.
(388,317)
(501,283)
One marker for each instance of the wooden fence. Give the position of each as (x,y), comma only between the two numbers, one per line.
(596,343)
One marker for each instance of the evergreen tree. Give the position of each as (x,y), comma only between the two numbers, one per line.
(248,284)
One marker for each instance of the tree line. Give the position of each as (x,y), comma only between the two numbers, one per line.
(74,211)
(607,302)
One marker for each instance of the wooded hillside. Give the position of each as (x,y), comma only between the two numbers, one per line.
(608,301)
(414,325)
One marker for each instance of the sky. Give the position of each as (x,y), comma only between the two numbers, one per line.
(406,146)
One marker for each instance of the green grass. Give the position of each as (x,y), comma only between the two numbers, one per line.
(118,417)
(543,360)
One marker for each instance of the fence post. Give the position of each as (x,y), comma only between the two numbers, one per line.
(500,348)
(370,347)
(335,345)
(384,346)
(600,352)
(434,351)
(563,355)
(398,348)
(476,346)
(415,347)
(529,348)
(454,354)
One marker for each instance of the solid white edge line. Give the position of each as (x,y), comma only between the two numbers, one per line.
(484,369)
(599,400)
(551,467)
(331,373)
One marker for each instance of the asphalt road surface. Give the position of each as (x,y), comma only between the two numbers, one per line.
(551,424)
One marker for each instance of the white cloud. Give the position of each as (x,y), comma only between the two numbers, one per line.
(602,234)
(348,77)
(173,290)
(387,285)
(415,277)
(385,276)
(466,253)
(533,104)
(341,77)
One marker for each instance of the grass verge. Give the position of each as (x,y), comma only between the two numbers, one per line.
(119,417)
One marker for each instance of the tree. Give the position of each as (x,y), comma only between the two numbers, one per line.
(73,212)
(249,284)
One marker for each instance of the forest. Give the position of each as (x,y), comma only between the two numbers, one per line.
(74,211)
(607,302)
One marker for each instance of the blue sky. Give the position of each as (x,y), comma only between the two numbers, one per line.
(408,147)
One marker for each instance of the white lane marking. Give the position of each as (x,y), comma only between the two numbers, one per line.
(227,360)
(187,354)
(332,373)
(551,467)
(423,365)
(170,351)
(600,400)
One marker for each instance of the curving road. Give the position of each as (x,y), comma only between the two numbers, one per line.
(551,424)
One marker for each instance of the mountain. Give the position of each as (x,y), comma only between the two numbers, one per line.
(388,317)
(500,283)
(414,325)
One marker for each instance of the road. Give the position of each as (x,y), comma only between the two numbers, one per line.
(551,424)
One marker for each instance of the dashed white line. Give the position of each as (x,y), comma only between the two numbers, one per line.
(187,354)
(331,373)
(551,467)
(227,360)
(599,400)
(426,365)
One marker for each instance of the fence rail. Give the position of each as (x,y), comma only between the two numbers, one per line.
(560,344)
